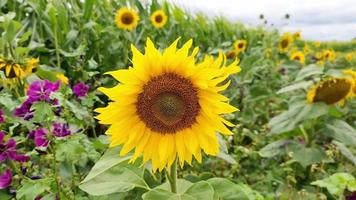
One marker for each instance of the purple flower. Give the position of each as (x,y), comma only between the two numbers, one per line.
(81,89)
(2,117)
(41,90)
(60,130)
(24,110)
(40,137)
(351,197)
(8,150)
(5,179)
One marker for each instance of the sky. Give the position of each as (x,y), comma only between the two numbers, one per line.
(317,19)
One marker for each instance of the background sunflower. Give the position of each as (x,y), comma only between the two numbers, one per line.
(159,18)
(126,18)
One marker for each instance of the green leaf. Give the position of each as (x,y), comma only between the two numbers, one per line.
(198,191)
(296,114)
(343,132)
(32,188)
(336,183)
(273,149)
(113,174)
(306,156)
(308,71)
(43,111)
(227,190)
(182,186)
(88,9)
(345,151)
(295,86)
(201,191)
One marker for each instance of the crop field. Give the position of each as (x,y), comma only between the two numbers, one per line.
(125,100)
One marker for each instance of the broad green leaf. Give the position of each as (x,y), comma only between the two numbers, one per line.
(227,190)
(336,183)
(273,149)
(32,188)
(112,174)
(345,151)
(343,132)
(295,86)
(307,156)
(182,186)
(43,111)
(308,71)
(201,191)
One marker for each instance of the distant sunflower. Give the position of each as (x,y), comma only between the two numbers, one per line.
(306,49)
(285,42)
(240,45)
(62,78)
(11,70)
(159,18)
(167,106)
(331,91)
(126,18)
(317,44)
(329,55)
(231,54)
(297,35)
(298,56)
(349,57)
(351,73)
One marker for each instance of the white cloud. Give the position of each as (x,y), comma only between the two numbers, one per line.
(317,19)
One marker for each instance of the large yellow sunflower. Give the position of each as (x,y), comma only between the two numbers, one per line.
(167,106)
(11,70)
(126,18)
(331,91)
(285,42)
(240,45)
(298,56)
(159,18)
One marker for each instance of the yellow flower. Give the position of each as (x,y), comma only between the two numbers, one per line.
(329,55)
(298,56)
(351,73)
(11,70)
(349,57)
(159,18)
(231,54)
(297,35)
(126,18)
(32,63)
(240,45)
(317,44)
(167,106)
(62,78)
(285,42)
(306,49)
(331,91)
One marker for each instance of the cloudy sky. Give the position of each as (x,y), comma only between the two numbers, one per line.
(317,19)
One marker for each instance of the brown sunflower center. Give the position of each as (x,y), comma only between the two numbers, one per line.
(296,58)
(284,43)
(127,18)
(168,103)
(241,45)
(332,91)
(158,18)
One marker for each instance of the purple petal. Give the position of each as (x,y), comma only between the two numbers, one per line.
(11,144)
(40,138)
(5,179)
(22,158)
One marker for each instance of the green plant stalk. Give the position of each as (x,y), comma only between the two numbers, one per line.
(172,177)
(55,170)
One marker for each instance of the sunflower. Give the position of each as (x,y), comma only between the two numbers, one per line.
(297,35)
(240,45)
(285,42)
(351,73)
(167,106)
(331,91)
(298,56)
(126,18)
(329,55)
(231,54)
(11,70)
(349,57)
(159,18)
(317,44)
(306,49)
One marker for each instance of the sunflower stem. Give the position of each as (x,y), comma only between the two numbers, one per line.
(173,177)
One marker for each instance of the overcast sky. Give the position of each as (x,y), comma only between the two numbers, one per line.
(317,19)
